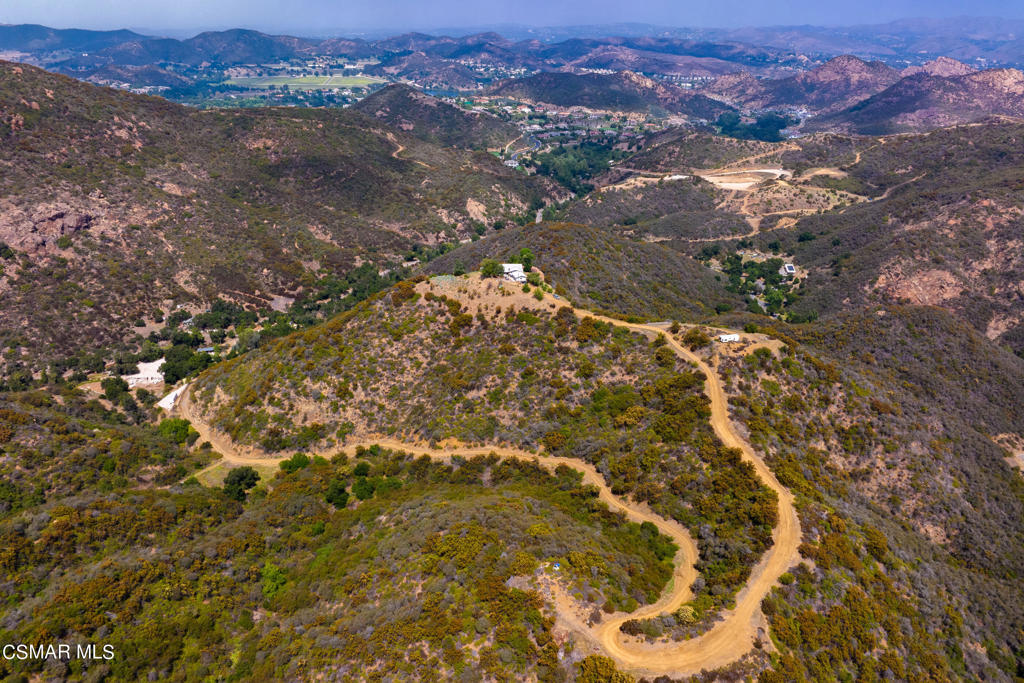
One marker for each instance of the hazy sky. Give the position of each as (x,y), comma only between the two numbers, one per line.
(309,17)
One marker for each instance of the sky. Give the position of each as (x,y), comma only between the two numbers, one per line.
(333,17)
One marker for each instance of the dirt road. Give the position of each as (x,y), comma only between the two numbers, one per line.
(729,639)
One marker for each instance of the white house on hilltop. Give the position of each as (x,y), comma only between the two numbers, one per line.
(514,272)
(728,338)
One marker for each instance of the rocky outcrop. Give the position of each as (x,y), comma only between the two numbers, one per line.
(943,66)
(38,229)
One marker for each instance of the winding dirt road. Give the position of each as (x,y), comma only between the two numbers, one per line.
(723,644)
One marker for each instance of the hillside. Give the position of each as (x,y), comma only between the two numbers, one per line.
(682,149)
(835,85)
(684,208)
(943,230)
(598,269)
(117,206)
(36,38)
(926,100)
(425,70)
(886,419)
(102,536)
(443,351)
(623,91)
(427,118)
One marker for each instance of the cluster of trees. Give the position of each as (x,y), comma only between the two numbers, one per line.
(767,127)
(181,361)
(574,166)
(760,278)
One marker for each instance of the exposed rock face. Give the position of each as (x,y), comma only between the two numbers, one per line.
(943,66)
(923,101)
(832,86)
(39,230)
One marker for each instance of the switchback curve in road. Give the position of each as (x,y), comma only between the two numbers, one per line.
(730,638)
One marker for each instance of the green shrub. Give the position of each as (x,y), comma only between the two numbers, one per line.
(177,430)
(363,488)
(491,268)
(295,463)
(336,493)
(240,480)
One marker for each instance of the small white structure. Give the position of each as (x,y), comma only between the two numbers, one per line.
(514,272)
(728,338)
(149,373)
(787,269)
(168,401)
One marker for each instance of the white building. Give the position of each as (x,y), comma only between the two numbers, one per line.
(514,272)
(728,338)
(168,401)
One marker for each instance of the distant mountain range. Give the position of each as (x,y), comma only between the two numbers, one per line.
(95,49)
(850,95)
(927,100)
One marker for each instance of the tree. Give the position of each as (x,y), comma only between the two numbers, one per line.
(176,429)
(665,357)
(695,338)
(240,480)
(490,268)
(336,493)
(273,580)
(526,258)
(114,388)
(295,463)
(363,488)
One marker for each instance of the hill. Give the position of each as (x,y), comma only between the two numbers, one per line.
(428,118)
(425,70)
(663,209)
(601,270)
(924,101)
(889,418)
(34,38)
(835,85)
(623,91)
(942,230)
(451,344)
(983,39)
(116,207)
(681,149)
(137,76)
(942,66)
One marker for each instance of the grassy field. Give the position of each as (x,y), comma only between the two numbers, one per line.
(306,82)
(215,475)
